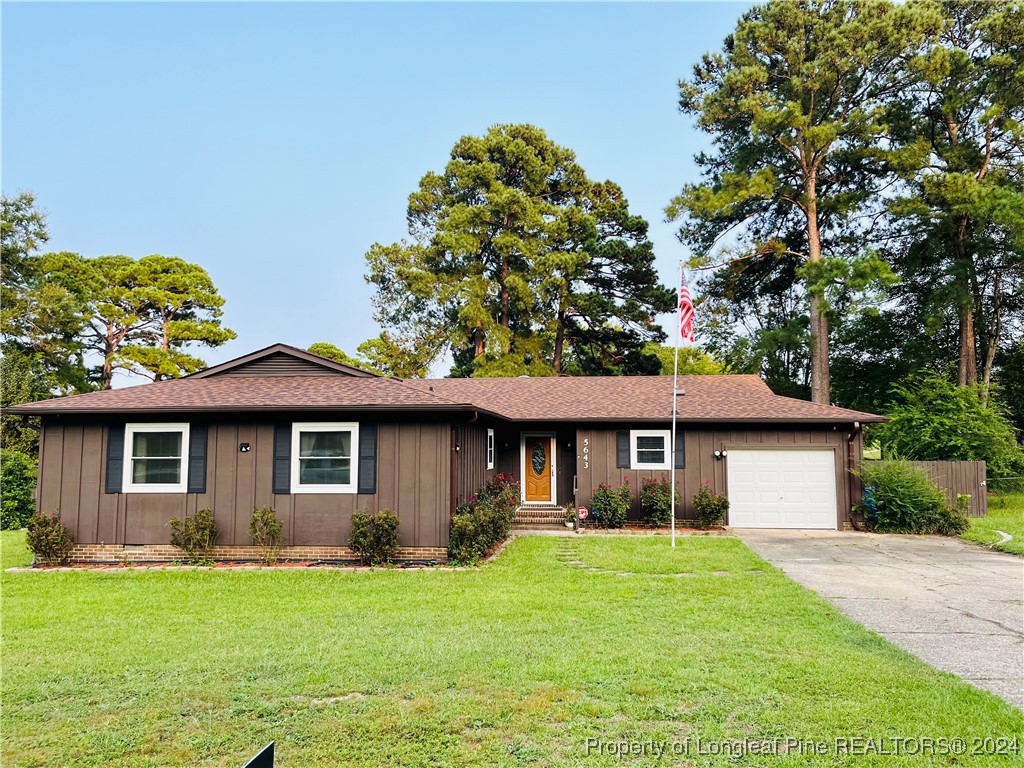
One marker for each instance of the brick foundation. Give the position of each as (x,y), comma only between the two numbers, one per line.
(163,553)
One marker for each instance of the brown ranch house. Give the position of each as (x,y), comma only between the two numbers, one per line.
(317,440)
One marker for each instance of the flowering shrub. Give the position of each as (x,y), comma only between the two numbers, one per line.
(709,507)
(656,500)
(484,519)
(609,506)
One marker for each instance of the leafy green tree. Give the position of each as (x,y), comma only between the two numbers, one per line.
(18,478)
(333,352)
(1010,378)
(519,264)
(22,232)
(138,314)
(796,102)
(693,361)
(936,420)
(20,382)
(401,358)
(960,225)
(184,308)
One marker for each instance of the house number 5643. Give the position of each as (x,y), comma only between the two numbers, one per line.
(586,453)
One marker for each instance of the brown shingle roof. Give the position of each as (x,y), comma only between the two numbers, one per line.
(584,398)
(595,398)
(250,393)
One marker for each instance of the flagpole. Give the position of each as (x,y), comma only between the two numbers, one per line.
(675,392)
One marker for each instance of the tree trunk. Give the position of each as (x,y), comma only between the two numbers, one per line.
(821,385)
(556,363)
(107,375)
(504,293)
(967,363)
(478,342)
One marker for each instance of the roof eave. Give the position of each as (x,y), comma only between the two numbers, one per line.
(438,407)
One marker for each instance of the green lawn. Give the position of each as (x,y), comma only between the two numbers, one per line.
(515,663)
(13,552)
(1005,513)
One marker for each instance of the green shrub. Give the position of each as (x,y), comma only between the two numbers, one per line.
(18,484)
(484,520)
(935,420)
(48,538)
(709,508)
(656,500)
(195,535)
(902,498)
(610,506)
(462,540)
(267,533)
(953,521)
(374,538)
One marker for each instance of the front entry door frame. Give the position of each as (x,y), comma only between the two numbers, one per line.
(552,460)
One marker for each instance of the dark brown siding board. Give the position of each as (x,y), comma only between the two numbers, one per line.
(245,481)
(91,489)
(71,482)
(471,459)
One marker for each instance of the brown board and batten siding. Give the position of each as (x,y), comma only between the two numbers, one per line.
(470,459)
(596,451)
(413,477)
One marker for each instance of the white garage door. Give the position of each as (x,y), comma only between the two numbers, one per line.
(782,488)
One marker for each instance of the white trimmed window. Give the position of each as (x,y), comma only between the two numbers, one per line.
(650,448)
(490,449)
(324,457)
(156,458)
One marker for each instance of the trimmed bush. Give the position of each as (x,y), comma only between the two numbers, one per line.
(48,538)
(267,533)
(902,498)
(374,537)
(656,500)
(18,484)
(484,520)
(709,508)
(609,506)
(195,536)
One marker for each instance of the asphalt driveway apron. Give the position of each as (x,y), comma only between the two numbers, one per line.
(958,606)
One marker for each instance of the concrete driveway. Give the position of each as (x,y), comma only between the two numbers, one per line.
(958,606)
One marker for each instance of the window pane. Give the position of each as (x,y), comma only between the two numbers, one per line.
(156,470)
(326,444)
(324,471)
(650,457)
(650,443)
(156,444)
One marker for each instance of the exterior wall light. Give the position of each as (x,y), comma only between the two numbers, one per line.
(244,447)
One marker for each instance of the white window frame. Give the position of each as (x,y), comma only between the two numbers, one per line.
(635,463)
(325,426)
(127,485)
(489,450)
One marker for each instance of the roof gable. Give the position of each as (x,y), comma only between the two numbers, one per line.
(282,360)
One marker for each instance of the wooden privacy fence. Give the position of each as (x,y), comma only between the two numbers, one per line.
(957,477)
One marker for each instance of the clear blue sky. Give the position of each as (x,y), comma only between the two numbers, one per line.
(273,144)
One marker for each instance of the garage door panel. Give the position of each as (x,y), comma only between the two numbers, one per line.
(793,488)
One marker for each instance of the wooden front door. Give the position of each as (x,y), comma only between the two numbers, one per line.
(538,468)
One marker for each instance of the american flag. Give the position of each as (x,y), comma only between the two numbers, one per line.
(685,307)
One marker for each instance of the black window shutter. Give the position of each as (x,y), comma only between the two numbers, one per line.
(622,449)
(680,449)
(367,458)
(115,458)
(197,434)
(282,458)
